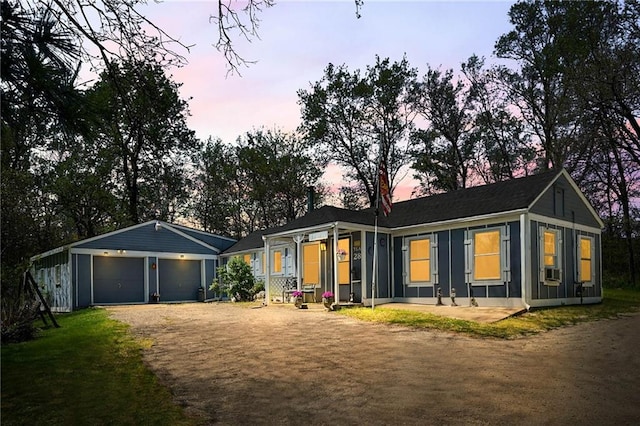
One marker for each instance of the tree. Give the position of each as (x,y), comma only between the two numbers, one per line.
(539,88)
(359,121)
(444,151)
(220,193)
(143,126)
(503,147)
(38,101)
(259,183)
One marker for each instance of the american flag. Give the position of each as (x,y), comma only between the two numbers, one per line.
(385,193)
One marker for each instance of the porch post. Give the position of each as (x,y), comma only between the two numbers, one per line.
(336,286)
(298,239)
(267,283)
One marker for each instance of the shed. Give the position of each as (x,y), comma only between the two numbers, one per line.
(142,263)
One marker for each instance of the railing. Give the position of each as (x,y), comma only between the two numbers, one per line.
(282,287)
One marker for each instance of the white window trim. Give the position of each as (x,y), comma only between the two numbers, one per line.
(579,260)
(541,252)
(505,245)
(433,260)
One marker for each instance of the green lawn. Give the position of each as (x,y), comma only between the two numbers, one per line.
(89,371)
(615,302)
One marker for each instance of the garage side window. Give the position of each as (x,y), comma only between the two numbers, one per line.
(247,259)
(585,252)
(486,255)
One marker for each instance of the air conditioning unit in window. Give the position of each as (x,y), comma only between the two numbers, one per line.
(552,274)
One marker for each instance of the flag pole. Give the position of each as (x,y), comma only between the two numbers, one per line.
(375,241)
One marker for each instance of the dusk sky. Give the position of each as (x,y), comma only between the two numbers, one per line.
(297,41)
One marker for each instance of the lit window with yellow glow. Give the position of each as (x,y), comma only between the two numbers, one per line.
(263,264)
(550,248)
(586,259)
(247,259)
(277,262)
(486,255)
(420,260)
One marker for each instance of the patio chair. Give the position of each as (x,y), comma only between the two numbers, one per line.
(309,289)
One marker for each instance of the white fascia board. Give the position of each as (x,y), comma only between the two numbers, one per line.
(510,216)
(134,253)
(345,226)
(50,252)
(564,223)
(577,190)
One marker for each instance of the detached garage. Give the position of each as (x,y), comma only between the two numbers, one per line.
(133,265)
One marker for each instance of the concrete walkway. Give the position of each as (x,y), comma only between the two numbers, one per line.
(469,313)
(478,314)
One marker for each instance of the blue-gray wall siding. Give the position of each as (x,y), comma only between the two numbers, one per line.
(81,272)
(451,267)
(382,283)
(562,202)
(146,238)
(210,266)
(568,285)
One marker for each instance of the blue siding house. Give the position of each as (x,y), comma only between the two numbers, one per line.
(528,242)
(138,264)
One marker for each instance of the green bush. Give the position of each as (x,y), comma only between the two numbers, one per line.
(235,279)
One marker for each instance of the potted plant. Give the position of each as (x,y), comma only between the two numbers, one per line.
(328,299)
(297,298)
(341,254)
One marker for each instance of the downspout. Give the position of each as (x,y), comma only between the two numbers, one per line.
(525,258)
(267,284)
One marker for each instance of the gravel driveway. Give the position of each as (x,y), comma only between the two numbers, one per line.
(279,365)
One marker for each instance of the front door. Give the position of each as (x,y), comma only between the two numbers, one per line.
(344,268)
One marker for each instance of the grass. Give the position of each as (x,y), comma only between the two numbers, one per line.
(615,302)
(89,371)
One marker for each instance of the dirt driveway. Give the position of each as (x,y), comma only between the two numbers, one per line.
(278,365)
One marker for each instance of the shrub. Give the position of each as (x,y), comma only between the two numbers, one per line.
(235,279)
(17,316)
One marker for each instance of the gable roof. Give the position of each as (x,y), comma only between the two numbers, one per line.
(141,236)
(501,197)
(504,196)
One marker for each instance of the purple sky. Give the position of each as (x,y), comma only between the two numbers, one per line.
(299,38)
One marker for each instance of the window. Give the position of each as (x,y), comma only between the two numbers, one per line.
(311,263)
(344,261)
(586,259)
(486,255)
(262,264)
(550,248)
(420,260)
(277,262)
(247,259)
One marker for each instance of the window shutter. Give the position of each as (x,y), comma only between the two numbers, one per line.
(541,276)
(468,257)
(289,263)
(506,255)
(434,259)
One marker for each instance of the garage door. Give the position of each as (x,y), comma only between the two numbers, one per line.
(118,279)
(179,279)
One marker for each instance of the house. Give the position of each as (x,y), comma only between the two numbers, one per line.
(130,265)
(527,242)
